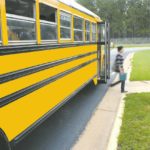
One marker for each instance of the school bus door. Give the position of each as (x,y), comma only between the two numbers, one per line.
(103,52)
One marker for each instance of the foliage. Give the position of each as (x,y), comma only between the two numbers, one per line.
(141,66)
(135,130)
(128,18)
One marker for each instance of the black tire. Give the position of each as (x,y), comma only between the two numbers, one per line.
(4,144)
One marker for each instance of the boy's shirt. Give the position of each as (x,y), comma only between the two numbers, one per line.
(119,61)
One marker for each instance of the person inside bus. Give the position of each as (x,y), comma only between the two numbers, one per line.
(119,68)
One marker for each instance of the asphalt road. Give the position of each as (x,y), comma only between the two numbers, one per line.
(63,128)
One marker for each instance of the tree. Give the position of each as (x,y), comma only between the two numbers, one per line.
(128,18)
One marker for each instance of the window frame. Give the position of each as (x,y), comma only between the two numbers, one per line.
(25,19)
(45,22)
(81,30)
(69,28)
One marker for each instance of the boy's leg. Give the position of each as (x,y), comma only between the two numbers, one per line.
(122,86)
(115,83)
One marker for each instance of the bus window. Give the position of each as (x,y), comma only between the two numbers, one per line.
(48,23)
(78,29)
(20,20)
(93,32)
(87,32)
(65,25)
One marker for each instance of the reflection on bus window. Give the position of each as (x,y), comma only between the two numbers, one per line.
(87,32)
(93,32)
(20,7)
(48,32)
(20,20)
(65,25)
(78,29)
(20,29)
(48,22)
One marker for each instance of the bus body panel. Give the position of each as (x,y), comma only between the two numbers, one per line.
(24,60)
(23,82)
(23,112)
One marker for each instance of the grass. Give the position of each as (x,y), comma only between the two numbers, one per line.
(134,45)
(141,66)
(135,130)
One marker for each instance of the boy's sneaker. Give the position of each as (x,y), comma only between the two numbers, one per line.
(124,91)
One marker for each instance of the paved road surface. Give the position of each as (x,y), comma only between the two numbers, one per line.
(64,127)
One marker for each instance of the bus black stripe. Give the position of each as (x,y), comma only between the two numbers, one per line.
(7,50)
(27,71)
(23,92)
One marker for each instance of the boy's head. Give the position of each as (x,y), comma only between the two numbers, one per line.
(120,49)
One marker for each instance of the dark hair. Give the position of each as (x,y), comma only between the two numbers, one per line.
(119,48)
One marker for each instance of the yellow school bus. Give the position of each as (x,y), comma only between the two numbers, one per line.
(49,51)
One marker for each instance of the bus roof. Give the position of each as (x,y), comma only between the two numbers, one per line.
(79,7)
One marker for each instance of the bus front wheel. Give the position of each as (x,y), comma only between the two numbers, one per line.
(4,144)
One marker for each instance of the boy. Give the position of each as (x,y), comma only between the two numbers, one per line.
(119,68)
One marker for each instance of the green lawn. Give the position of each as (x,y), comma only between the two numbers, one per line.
(141,66)
(135,130)
(134,45)
(137,45)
